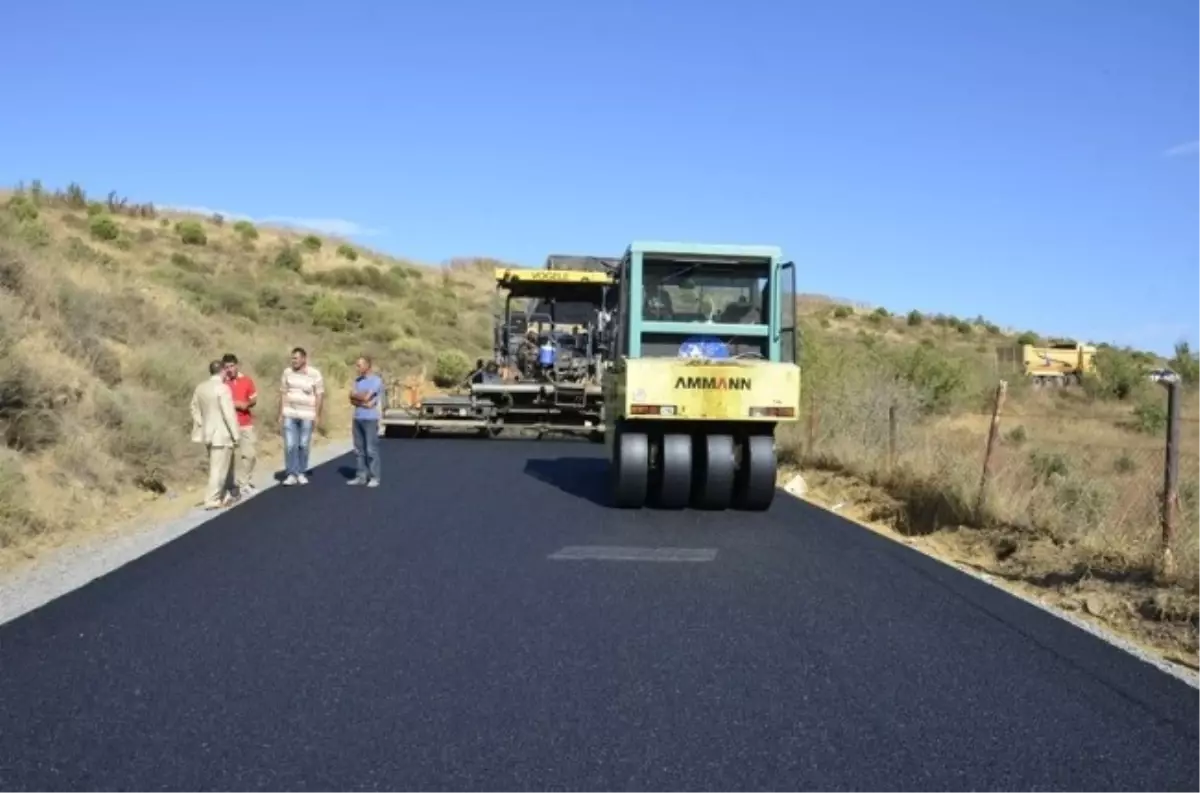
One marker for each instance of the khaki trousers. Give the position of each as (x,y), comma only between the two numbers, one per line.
(247,456)
(220,461)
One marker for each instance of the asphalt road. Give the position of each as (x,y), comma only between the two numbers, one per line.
(421,637)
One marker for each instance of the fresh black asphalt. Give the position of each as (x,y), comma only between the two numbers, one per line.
(418,637)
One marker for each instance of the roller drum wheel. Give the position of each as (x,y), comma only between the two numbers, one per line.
(673,477)
(755,486)
(630,469)
(712,487)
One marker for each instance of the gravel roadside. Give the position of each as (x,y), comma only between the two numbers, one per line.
(65,569)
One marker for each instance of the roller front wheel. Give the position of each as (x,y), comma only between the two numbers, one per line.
(712,487)
(673,476)
(755,486)
(630,469)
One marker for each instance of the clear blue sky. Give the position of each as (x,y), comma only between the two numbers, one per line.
(1008,158)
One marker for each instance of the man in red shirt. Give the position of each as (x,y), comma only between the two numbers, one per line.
(245,397)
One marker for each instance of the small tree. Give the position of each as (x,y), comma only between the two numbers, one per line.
(330,312)
(289,258)
(451,368)
(915,318)
(103,227)
(191,232)
(22,208)
(245,229)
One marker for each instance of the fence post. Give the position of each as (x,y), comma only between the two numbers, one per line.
(891,453)
(993,431)
(812,420)
(1170,491)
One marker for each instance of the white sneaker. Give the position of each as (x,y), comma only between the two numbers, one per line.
(302,479)
(291,480)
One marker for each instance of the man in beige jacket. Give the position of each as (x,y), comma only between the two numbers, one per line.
(214,423)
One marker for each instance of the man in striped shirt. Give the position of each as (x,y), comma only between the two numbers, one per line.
(302,395)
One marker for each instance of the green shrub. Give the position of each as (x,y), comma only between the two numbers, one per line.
(246,230)
(103,227)
(312,242)
(1119,374)
(915,318)
(330,312)
(347,252)
(22,208)
(1028,337)
(289,258)
(1047,465)
(191,232)
(1150,417)
(370,278)
(841,312)
(939,381)
(451,368)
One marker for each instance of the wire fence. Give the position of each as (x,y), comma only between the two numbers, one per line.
(1101,482)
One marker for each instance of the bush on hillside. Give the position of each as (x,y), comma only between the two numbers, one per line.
(347,252)
(330,312)
(1119,374)
(104,228)
(370,278)
(915,318)
(938,381)
(245,229)
(1186,364)
(841,312)
(451,368)
(312,242)
(22,208)
(191,232)
(289,258)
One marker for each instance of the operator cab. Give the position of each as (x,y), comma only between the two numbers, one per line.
(715,301)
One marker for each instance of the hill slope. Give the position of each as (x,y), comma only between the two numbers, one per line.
(109,315)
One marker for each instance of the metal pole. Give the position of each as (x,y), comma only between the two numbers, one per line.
(1170,491)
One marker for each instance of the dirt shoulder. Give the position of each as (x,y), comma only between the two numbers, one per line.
(1160,620)
(136,511)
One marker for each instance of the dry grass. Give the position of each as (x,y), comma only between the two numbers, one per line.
(1072,509)
(104,335)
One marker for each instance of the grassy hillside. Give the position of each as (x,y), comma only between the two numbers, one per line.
(109,313)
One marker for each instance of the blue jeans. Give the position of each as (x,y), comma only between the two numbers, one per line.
(366,447)
(297,438)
